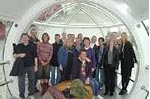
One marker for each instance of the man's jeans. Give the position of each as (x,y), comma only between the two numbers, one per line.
(55,75)
(21,82)
(100,77)
(94,86)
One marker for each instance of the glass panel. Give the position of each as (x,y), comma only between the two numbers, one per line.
(5,26)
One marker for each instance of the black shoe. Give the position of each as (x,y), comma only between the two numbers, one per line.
(123,92)
(36,90)
(111,94)
(106,93)
(22,96)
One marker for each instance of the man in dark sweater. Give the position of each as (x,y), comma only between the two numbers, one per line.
(27,51)
(34,40)
(55,74)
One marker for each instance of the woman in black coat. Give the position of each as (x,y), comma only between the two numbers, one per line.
(128,58)
(110,62)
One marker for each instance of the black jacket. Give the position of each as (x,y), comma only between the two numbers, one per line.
(115,62)
(127,58)
(18,67)
(54,60)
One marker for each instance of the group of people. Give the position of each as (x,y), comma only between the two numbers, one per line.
(71,57)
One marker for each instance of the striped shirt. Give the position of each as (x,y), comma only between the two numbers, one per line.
(44,51)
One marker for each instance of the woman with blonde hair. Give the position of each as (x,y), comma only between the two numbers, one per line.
(110,62)
(128,58)
(66,58)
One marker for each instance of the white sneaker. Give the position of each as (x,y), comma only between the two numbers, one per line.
(31,97)
(98,97)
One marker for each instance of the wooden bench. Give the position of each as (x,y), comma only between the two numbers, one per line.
(65,84)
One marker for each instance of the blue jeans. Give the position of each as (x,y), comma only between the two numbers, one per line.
(100,77)
(94,86)
(55,75)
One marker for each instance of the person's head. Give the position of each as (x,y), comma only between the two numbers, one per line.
(124,37)
(111,41)
(93,39)
(25,38)
(101,41)
(57,37)
(45,37)
(33,33)
(107,40)
(86,42)
(69,35)
(64,35)
(78,42)
(69,42)
(80,36)
(82,54)
(114,35)
(73,36)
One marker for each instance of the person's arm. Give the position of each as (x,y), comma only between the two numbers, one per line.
(93,61)
(117,59)
(38,52)
(21,55)
(35,55)
(36,64)
(51,54)
(133,54)
(59,57)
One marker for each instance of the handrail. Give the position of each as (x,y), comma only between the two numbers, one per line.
(147,67)
(145,28)
(5,83)
(144,88)
(129,78)
(4,62)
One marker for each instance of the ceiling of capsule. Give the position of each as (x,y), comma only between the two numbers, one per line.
(14,9)
(77,14)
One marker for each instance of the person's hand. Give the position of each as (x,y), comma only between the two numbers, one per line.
(135,61)
(116,70)
(61,68)
(93,69)
(87,82)
(87,59)
(43,63)
(35,69)
(22,55)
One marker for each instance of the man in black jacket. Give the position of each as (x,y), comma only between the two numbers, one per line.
(29,55)
(34,40)
(55,74)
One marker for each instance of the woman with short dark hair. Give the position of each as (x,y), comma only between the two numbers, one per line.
(45,52)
